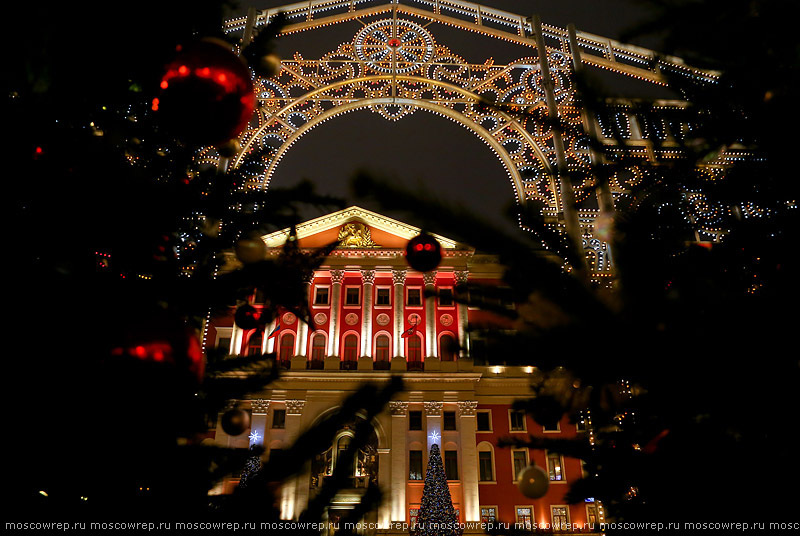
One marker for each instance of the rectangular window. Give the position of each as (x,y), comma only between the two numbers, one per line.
(451,464)
(551,427)
(485,466)
(559,517)
(414,297)
(449,420)
(383,296)
(415,420)
(488,514)
(554,466)
(413,515)
(525,516)
(279,418)
(591,512)
(517,420)
(352,296)
(484,421)
(445,297)
(321,296)
(415,465)
(520,459)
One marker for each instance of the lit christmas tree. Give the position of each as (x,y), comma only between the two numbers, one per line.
(437,517)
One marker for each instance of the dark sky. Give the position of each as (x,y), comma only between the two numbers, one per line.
(423,148)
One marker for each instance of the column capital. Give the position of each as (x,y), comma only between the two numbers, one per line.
(468,408)
(368,276)
(461,277)
(259,406)
(295,407)
(429,278)
(433,408)
(399,277)
(337,276)
(398,408)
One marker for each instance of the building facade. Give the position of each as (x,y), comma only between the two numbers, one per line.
(373,317)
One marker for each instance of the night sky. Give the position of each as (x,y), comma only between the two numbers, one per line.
(424,149)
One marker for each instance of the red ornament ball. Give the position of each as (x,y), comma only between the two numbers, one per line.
(206,93)
(423,253)
(246,317)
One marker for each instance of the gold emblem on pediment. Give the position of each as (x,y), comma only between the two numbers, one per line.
(355,235)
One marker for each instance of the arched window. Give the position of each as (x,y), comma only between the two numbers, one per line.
(486,470)
(286,348)
(317,350)
(382,352)
(414,352)
(350,354)
(448,348)
(255,343)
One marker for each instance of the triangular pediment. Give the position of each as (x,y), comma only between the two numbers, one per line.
(356,228)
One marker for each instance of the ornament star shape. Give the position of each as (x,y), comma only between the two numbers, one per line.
(434,436)
(254,436)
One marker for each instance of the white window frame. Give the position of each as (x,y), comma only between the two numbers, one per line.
(556,431)
(421,297)
(375,298)
(452,298)
(360,297)
(314,300)
(487,447)
(524,422)
(491,427)
(487,506)
(566,508)
(527,462)
(516,515)
(561,464)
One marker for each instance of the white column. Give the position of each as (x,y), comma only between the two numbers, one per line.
(399,280)
(399,470)
(290,504)
(463,316)
(368,280)
(336,297)
(469,459)
(302,327)
(431,348)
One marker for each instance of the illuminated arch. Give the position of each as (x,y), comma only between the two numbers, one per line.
(394,66)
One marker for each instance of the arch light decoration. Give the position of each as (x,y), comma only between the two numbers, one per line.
(394,66)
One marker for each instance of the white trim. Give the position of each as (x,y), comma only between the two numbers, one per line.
(514,474)
(346,305)
(314,298)
(491,427)
(524,422)
(485,446)
(375,300)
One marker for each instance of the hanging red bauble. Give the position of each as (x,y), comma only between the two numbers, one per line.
(164,340)
(533,482)
(423,252)
(206,93)
(246,317)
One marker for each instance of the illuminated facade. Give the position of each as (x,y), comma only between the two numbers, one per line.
(371,315)
(372,319)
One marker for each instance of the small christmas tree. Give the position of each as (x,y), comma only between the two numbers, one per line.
(437,517)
